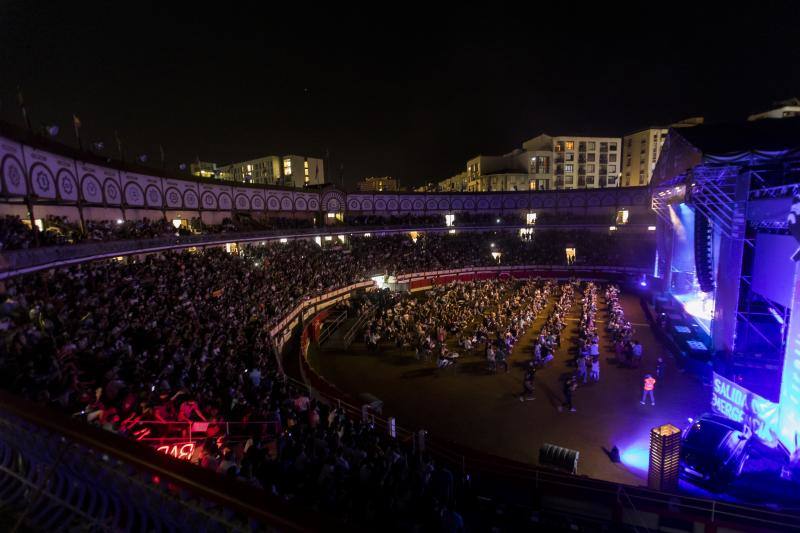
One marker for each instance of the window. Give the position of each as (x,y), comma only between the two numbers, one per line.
(612,158)
(622,216)
(569,145)
(612,147)
(570,252)
(287,167)
(590,169)
(591,157)
(612,169)
(611,179)
(591,146)
(603,170)
(590,180)
(570,156)
(582,146)
(568,180)
(604,147)
(559,146)
(530,219)
(568,168)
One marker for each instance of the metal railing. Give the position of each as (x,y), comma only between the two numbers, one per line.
(329,327)
(57,473)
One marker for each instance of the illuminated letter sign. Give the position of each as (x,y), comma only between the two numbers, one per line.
(740,405)
(179,451)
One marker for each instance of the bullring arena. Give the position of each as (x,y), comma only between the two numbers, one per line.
(181,352)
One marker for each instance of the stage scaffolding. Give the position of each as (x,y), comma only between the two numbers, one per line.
(740,196)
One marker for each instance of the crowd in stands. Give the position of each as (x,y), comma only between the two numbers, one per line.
(16,233)
(179,337)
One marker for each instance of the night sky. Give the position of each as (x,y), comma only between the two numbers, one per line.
(401,90)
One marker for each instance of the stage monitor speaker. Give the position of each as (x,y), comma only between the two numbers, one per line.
(703,252)
(557,457)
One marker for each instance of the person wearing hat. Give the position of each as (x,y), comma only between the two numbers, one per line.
(649,385)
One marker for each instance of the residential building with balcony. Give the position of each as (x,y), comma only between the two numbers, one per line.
(286,171)
(641,149)
(579,162)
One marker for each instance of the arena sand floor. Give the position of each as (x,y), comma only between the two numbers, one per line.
(468,405)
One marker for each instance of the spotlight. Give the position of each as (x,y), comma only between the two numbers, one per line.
(98,146)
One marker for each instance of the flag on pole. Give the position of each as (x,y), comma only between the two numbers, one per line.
(21,102)
(76,123)
(119,145)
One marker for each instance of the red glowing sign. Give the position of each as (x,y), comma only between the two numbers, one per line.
(179,451)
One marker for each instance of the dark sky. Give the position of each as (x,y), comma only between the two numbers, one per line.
(400,90)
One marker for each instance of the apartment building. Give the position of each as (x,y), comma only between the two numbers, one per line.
(286,171)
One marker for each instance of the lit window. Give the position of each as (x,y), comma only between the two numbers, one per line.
(651,228)
(570,252)
(569,145)
(622,216)
(530,219)
(287,167)
(612,228)
(449,219)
